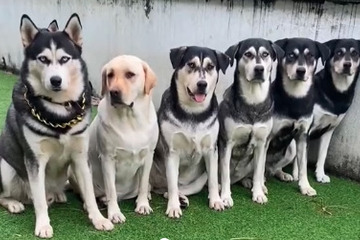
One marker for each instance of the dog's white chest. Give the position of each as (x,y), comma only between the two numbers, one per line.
(324,119)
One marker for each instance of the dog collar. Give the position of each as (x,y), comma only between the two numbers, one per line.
(78,118)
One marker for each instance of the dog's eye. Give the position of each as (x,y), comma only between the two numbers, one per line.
(339,53)
(265,54)
(248,54)
(129,75)
(209,67)
(64,60)
(354,53)
(191,65)
(110,74)
(291,55)
(43,59)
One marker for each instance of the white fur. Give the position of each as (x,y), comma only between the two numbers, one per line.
(342,82)
(254,93)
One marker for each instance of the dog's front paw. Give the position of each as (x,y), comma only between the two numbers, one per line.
(308,191)
(117,217)
(228,201)
(143,209)
(285,177)
(217,205)
(14,206)
(60,197)
(102,224)
(264,188)
(43,231)
(259,197)
(247,183)
(173,211)
(322,178)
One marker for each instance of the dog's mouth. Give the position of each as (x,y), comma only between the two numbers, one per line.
(118,103)
(346,72)
(257,80)
(198,97)
(56,89)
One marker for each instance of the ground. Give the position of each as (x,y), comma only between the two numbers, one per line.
(333,214)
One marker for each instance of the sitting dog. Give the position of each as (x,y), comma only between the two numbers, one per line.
(46,125)
(123,135)
(294,98)
(186,154)
(245,117)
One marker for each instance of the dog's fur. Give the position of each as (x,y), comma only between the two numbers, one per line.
(334,93)
(245,117)
(34,155)
(123,135)
(294,98)
(186,155)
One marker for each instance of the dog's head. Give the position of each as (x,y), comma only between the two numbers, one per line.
(197,70)
(53,57)
(344,56)
(126,78)
(300,59)
(254,57)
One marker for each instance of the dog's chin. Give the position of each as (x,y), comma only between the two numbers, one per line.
(198,97)
(118,104)
(257,80)
(298,79)
(347,73)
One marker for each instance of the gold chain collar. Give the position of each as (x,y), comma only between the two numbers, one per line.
(78,118)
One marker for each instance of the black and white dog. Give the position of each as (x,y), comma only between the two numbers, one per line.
(186,156)
(245,117)
(294,98)
(334,93)
(46,125)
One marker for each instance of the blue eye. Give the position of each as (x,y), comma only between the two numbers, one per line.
(64,60)
(43,59)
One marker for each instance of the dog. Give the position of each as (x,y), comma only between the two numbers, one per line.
(334,93)
(123,135)
(186,154)
(245,117)
(46,125)
(294,98)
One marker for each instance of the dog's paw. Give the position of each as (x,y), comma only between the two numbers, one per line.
(173,211)
(259,197)
(285,177)
(228,201)
(44,231)
(143,209)
(184,201)
(265,190)
(247,183)
(14,206)
(102,224)
(117,217)
(322,178)
(217,205)
(308,191)
(60,197)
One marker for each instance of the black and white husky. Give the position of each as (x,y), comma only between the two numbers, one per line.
(294,98)
(186,156)
(245,117)
(46,125)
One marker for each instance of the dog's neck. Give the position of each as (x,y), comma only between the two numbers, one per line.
(252,93)
(295,88)
(341,82)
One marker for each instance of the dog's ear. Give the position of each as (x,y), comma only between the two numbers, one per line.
(278,52)
(28,30)
(104,83)
(73,29)
(232,51)
(223,60)
(176,55)
(150,78)
(324,51)
(331,44)
(282,43)
(53,26)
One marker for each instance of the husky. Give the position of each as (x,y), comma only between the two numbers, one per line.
(186,154)
(294,99)
(245,117)
(46,125)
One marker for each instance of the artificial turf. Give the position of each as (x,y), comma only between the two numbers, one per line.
(333,214)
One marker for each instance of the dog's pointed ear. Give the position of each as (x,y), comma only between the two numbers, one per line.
(223,61)
(73,29)
(324,51)
(232,51)
(150,78)
(104,83)
(53,26)
(28,30)
(176,55)
(278,52)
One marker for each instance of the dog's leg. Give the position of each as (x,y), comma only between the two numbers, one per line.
(301,155)
(322,153)
(142,201)
(109,174)
(81,169)
(172,174)
(295,171)
(287,159)
(258,194)
(225,157)
(211,162)
(36,174)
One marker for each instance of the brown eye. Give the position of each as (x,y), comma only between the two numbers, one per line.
(191,65)
(354,53)
(129,75)
(110,75)
(265,54)
(248,55)
(209,67)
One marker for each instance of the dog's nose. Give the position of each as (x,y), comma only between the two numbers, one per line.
(115,94)
(201,85)
(259,69)
(300,71)
(347,65)
(55,81)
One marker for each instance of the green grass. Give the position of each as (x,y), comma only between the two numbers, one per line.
(333,214)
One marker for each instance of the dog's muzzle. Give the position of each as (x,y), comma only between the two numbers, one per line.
(347,68)
(300,74)
(116,99)
(56,83)
(200,94)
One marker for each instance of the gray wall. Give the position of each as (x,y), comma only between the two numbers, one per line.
(149,29)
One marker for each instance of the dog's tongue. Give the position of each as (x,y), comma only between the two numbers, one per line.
(199,97)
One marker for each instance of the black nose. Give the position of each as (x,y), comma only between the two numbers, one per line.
(300,71)
(55,81)
(115,95)
(347,65)
(259,69)
(201,85)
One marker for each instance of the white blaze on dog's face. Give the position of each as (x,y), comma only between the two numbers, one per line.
(126,79)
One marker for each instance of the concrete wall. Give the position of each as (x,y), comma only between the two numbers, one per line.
(150,28)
